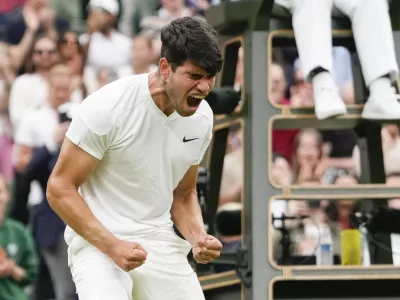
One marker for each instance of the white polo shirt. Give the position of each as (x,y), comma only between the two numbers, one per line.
(143,154)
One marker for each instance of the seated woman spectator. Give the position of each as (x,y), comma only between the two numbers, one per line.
(308,157)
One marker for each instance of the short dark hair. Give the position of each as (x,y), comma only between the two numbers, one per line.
(191,39)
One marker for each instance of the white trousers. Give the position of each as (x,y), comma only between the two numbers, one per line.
(371,29)
(166,275)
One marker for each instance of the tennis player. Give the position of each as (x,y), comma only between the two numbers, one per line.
(127,171)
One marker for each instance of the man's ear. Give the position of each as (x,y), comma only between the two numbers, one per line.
(165,68)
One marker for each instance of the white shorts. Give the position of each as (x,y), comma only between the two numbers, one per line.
(166,275)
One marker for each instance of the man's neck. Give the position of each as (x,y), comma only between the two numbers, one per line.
(158,93)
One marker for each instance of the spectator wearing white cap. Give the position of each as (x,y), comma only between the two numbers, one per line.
(105,47)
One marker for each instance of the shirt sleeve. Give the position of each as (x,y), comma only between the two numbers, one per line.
(92,129)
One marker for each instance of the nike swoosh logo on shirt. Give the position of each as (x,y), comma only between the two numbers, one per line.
(189,140)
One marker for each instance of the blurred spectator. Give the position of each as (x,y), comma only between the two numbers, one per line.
(18,260)
(106,47)
(50,24)
(277,85)
(41,127)
(142,58)
(308,157)
(40,135)
(71,52)
(29,91)
(71,55)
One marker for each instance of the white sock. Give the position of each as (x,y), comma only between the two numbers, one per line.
(323,79)
(381,86)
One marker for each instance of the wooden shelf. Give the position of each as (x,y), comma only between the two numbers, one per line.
(219,280)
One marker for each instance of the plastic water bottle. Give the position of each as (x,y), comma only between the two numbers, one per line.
(325,250)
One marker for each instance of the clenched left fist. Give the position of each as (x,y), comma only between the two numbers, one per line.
(206,249)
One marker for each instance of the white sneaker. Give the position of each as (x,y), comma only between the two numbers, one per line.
(328,103)
(382,108)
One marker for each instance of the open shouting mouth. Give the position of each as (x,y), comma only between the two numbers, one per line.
(194,100)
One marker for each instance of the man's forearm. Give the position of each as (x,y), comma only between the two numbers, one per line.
(186,215)
(72,209)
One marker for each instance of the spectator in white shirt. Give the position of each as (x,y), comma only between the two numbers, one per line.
(43,127)
(105,46)
(106,50)
(29,91)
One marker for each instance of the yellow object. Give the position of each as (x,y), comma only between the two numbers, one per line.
(351,247)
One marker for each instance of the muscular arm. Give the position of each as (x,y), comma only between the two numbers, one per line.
(73,167)
(185,212)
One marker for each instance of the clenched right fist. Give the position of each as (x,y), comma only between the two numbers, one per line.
(128,255)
